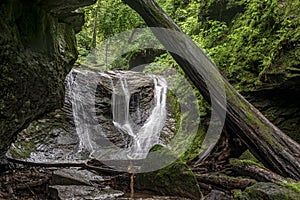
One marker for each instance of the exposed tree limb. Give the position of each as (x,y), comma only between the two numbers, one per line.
(224,182)
(265,141)
(241,168)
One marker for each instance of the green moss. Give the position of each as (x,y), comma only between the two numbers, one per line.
(237,193)
(22,150)
(176,179)
(293,186)
(240,163)
(193,151)
(271,191)
(248,157)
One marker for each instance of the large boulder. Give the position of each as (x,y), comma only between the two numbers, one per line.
(37,50)
(176,179)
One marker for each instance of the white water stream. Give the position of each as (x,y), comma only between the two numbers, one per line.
(148,135)
(88,129)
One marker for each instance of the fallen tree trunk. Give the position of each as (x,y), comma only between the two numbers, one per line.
(269,145)
(241,168)
(224,182)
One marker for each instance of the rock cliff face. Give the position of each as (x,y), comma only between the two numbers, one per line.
(279,101)
(37,50)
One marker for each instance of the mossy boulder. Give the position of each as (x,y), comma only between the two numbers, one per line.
(176,179)
(268,191)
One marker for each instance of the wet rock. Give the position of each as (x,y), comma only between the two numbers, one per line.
(73,177)
(76,192)
(152,197)
(75,183)
(216,194)
(268,191)
(37,50)
(46,140)
(98,103)
(176,179)
(141,88)
(54,137)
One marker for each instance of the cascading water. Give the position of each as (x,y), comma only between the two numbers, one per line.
(148,135)
(77,95)
(120,107)
(142,137)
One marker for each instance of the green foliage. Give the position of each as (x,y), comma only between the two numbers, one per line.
(247,39)
(103,20)
(115,17)
(255,41)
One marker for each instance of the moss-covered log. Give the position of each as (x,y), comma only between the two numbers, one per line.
(269,144)
(224,182)
(252,170)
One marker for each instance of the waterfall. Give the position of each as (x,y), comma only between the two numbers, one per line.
(138,138)
(148,135)
(79,96)
(120,106)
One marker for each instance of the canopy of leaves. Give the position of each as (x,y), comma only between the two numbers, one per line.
(245,38)
(103,20)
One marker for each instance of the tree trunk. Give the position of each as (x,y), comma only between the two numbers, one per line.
(268,144)
(240,168)
(223,182)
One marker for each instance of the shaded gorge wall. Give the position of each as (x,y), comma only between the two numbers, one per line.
(37,50)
